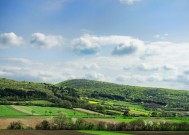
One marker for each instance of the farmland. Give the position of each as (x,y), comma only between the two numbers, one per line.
(90,105)
(52,111)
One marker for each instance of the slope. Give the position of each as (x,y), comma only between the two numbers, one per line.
(144,95)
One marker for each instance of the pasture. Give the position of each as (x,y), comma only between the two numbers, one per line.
(8,111)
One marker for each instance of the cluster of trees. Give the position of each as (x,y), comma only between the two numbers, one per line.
(62,122)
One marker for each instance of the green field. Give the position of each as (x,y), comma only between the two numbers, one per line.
(8,111)
(177,119)
(101,132)
(46,111)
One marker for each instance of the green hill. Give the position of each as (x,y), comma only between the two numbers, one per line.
(144,95)
(73,93)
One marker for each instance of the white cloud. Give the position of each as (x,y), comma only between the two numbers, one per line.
(92,44)
(46,41)
(129,2)
(10,39)
(126,49)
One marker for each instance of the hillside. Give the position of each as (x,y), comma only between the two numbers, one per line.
(145,95)
(21,89)
(22,92)
(74,93)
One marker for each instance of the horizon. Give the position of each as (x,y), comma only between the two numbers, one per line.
(131,42)
(100,81)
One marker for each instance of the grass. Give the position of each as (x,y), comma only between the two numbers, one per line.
(176,119)
(93,102)
(8,111)
(101,132)
(127,119)
(52,111)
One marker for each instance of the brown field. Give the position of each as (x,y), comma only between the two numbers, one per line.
(29,121)
(68,132)
(86,111)
(40,132)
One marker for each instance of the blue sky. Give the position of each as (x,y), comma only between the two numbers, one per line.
(136,42)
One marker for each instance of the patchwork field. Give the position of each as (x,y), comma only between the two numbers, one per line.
(52,111)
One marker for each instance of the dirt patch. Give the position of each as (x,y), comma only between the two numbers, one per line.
(4,122)
(21,109)
(156,132)
(86,111)
(39,132)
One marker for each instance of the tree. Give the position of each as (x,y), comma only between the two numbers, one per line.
(50,112)
(44,125)
(62,121)
(126,112)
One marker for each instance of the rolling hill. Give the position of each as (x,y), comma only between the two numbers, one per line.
(155,96)
(71,93)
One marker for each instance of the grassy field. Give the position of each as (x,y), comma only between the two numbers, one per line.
(52,111)
(8,111)
(102,132)
(177,119)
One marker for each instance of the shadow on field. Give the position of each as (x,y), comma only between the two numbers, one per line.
(40,132)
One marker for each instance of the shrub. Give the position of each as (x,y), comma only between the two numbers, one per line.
(44,125)
(101,126)
(15,125)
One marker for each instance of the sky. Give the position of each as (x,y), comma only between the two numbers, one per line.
(133,42)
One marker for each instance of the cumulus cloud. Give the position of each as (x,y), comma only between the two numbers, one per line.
(92,44)
(125,49)
(46,41)
(84,48)
(10,39)
(128,2)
